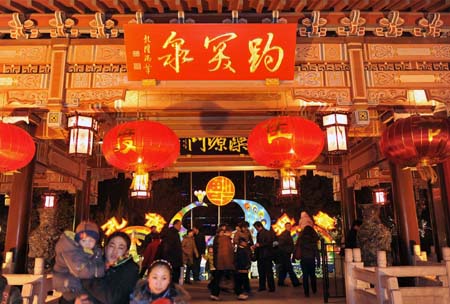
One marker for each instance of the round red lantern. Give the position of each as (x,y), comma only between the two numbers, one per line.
(285,142)
(142,144)
(16,147)
(417,140)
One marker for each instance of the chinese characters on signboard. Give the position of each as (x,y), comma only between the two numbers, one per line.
(212,52)
(213,146)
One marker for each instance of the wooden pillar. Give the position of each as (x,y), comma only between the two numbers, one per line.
(405,209)
(348,204)
(86,195)
(19,212)
(79,208)
(444,179)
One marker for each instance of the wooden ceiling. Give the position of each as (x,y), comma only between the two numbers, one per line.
(217,6)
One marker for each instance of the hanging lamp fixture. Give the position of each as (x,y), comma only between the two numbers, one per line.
(82,130)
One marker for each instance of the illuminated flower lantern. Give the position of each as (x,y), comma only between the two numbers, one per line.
(417,141)
(141,146)
(285,143)
(16,147)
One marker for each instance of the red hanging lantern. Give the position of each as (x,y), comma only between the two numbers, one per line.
(16,147)
(417,141)
(285,142)
(142,144)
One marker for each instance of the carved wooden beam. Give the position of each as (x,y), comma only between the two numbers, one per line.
(115,4)
(440,7)
(177,5)
(258,5)
(93,5)
(235,5)
(215,5)
(299,5)
(135,5)
(11,6)
(196,4)
(154,4)
(77,6)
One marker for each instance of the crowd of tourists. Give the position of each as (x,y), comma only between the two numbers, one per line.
(85,274)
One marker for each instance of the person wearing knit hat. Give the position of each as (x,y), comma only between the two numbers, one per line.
(85,229)
(77,257)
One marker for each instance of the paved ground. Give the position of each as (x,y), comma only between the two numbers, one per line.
(287,295)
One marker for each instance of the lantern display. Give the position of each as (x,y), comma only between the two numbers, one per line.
(147,144)
(285,142)
(82,130)
(220,190)
(16,147)
(140,146)
(288,182)
(335,125)
(417,141)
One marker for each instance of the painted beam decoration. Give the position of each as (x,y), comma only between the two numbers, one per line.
(212,52)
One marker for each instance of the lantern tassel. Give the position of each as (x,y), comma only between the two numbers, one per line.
(427,173)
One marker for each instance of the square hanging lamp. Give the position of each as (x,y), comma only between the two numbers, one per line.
(336,125)
(288,182)
(380,196)
(140,185)
(49,199)
(82,130)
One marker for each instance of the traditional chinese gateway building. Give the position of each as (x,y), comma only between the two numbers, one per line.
(211,71)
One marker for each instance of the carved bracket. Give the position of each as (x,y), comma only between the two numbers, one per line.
(352,26)
(22,29)
(102,28)
(62,26)
(429,27)
(314,26)
(390,26)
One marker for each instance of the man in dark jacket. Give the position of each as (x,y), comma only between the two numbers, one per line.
(285,249)
(265,254)
(120,277)
(200,243)
(171,250)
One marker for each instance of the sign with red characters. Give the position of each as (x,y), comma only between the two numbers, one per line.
(210,51)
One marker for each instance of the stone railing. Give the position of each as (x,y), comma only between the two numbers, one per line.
(380,284)
(36,288)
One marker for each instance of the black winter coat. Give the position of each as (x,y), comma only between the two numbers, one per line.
(170,248)
(117,284)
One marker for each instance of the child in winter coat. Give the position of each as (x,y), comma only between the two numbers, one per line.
(209,265)
(157,287)
(243,262)
(77,257)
